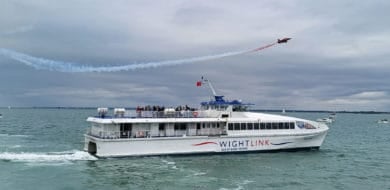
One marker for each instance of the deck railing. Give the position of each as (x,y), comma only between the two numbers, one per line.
(160,114)
(128,134)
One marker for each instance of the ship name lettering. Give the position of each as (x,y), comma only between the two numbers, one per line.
(243,143)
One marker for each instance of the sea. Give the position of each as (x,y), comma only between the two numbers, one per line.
(42,149)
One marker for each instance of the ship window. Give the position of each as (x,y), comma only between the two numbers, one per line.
(274,125)
(125,128)
(230,126)
(268,125)
(286,125)
(236,126)
(213,125)
(180,126)
(203,125)
(257,126)
(198,126)
(309,126)
(262,125)
(217,125)
(243,126)
(292,126)
(225,115)
(281,126)
(161,126)
(250,126)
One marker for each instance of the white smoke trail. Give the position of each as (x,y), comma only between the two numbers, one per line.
(51,65)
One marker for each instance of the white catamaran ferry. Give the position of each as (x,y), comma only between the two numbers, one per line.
(218,126)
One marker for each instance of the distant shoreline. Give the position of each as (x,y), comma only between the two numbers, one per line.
(258,110)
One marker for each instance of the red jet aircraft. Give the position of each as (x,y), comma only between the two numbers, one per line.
(284,40)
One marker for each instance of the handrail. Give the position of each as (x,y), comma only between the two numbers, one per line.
(126,135)
(160,114)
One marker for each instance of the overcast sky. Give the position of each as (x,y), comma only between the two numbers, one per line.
(338,58)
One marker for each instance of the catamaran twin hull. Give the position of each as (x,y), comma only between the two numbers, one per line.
(202,145)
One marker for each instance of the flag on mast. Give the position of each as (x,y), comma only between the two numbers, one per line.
(198,83)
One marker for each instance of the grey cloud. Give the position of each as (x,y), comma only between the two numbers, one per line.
(338,52)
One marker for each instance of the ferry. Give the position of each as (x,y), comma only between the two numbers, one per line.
(328,120)
(382,121)
(217,126)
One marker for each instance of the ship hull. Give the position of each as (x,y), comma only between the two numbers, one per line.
(188,145)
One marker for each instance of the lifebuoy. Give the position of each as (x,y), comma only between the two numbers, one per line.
(195,114)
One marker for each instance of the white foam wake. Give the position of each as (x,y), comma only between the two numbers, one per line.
(8,135)
(47,157)
(52,65)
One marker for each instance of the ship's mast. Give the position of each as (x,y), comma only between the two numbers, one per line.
(218,98)
(211,86)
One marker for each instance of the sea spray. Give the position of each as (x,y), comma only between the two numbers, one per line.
(46,157)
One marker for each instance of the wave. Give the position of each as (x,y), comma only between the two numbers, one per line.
(171,164)
(240,185)
(52,65)
(16,146)
(8,135)
(47,157)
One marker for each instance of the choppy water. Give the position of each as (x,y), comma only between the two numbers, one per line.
(41,149)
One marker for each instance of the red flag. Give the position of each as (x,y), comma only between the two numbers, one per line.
(199,83)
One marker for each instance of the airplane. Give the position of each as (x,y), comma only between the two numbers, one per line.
(284,40)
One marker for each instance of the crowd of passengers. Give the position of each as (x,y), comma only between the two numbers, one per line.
(162,108)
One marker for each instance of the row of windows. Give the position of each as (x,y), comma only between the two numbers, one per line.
(183,126)
(236,126)
(257,126)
